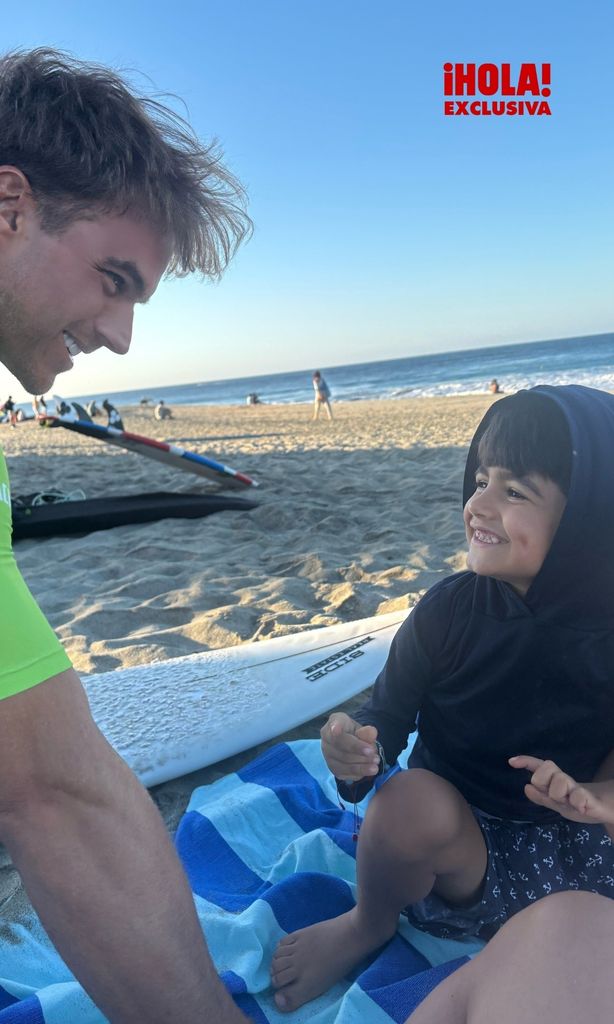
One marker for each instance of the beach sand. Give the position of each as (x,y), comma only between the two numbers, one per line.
(356,517)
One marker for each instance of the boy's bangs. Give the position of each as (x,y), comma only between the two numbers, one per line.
(528,433)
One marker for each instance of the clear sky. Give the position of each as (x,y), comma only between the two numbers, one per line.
(383,228)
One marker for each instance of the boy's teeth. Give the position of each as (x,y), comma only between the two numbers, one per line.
(486,538)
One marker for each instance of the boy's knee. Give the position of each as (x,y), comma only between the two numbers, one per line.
(419,807)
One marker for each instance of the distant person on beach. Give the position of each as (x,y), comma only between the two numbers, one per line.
(9,409)
(494,386)
(102,192)
(253,399)
(507,673)
(39,406)
(321,396)
(162,411)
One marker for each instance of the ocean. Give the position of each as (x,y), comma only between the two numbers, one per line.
(584,360)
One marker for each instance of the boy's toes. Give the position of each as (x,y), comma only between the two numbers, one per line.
(282,975)
(284,1000)
(284,968)
(284,946)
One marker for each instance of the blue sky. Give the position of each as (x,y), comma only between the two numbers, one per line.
(383,228)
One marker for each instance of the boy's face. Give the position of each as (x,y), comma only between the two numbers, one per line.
(510,523)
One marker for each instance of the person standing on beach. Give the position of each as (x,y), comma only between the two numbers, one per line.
(101,193)
(39,406)
(322,395)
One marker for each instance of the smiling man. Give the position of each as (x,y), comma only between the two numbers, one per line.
(101,193)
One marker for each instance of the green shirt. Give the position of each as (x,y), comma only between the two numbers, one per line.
(30,652)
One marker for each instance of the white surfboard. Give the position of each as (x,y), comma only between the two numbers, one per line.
(172,717)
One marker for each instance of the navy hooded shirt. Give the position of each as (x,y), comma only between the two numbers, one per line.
(486,673)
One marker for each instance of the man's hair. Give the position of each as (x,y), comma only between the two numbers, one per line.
(89,145)
(528,433)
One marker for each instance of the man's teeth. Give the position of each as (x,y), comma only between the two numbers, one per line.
(72,345)
(486,538)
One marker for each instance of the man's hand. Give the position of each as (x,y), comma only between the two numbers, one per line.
(349,748)
(591,803)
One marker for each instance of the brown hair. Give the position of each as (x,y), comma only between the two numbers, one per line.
(528,433)
(89,145)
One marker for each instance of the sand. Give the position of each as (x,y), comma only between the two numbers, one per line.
(356,517)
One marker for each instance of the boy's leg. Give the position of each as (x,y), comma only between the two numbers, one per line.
(419,835)
(329,410)
(316,408)
(550,962)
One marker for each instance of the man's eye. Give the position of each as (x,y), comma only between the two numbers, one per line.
(118,282)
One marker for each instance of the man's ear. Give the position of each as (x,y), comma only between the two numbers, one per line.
(16,200)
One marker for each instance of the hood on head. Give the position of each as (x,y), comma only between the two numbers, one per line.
(576,582)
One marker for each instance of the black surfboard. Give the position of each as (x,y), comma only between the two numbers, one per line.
(68,517)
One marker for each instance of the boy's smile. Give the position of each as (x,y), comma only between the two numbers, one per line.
(510,523)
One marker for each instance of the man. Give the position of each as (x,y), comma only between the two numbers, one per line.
(101,193)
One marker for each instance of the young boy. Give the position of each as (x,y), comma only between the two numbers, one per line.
(505,669)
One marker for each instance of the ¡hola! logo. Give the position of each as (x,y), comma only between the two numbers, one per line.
(530,85)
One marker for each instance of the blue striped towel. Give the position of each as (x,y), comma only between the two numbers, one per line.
(267,850)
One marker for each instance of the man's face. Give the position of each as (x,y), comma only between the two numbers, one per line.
(510,524)
(73,292)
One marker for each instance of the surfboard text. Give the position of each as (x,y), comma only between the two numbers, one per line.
(338,660)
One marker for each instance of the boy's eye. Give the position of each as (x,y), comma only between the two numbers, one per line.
(515,494)
(480,485)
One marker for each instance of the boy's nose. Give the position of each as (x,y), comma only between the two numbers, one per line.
(478,503)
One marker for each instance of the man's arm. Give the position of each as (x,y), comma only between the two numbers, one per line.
(98,864)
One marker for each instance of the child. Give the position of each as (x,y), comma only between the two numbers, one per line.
(507,670)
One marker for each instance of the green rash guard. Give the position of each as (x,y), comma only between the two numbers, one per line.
(30,650)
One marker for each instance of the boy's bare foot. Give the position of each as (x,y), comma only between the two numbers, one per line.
(310,961)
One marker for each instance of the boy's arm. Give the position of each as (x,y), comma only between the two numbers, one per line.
(394,703)
(591,803)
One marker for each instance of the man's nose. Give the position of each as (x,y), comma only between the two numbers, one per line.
(114,328)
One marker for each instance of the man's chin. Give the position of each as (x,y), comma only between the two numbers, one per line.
(36,383)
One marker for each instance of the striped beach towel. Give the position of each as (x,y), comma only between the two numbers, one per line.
(267,850)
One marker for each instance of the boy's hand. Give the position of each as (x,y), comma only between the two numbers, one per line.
(349,747)
(591,803)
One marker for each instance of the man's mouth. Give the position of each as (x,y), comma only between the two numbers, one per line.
(484,537)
